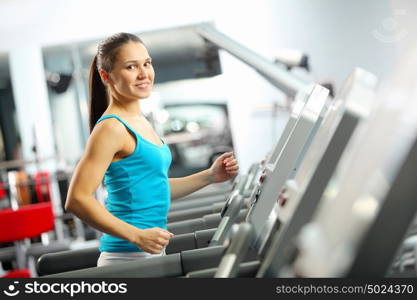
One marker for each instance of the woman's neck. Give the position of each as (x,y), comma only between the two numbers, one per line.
(130,109)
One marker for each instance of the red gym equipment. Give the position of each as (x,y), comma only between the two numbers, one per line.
(42,186)
(26,222)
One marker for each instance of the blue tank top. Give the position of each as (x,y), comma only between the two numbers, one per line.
(138,190)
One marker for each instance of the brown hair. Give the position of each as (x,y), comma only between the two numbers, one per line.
(104,59)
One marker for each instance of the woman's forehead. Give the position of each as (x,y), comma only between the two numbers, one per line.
(132,51)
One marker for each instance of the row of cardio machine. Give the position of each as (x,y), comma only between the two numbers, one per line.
(333,198)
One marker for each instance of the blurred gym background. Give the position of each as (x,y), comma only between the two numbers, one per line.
(204,102)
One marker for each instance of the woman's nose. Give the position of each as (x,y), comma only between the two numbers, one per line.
(142,73)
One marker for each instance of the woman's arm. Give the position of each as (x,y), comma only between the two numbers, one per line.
(184,186)
(105,141)
(225,167)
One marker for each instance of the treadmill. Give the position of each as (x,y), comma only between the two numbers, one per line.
(304,191)
(374,196)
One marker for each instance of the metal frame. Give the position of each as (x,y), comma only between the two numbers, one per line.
(278,76)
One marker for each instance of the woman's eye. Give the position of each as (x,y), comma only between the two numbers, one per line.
(131,67)
(148,63)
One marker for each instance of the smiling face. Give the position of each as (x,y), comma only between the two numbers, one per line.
(132,75)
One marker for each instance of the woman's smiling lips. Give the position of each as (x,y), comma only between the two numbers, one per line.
(142,85)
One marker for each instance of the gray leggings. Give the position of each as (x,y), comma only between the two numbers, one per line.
(109,258)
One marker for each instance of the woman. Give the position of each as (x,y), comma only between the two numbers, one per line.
(125,150)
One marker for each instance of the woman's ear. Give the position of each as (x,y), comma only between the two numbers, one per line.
(104,76)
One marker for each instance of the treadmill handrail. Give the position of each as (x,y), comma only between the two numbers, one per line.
(236,252)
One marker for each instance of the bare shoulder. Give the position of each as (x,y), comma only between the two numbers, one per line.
(107,136)
(109,127)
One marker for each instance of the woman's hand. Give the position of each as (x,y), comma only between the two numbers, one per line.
(225,167)
(152,240)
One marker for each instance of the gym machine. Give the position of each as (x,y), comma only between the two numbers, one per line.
(375,196)
(299,197)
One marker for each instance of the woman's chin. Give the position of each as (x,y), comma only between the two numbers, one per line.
(142,95)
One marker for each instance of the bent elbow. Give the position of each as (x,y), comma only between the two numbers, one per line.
(68,204)
(71,203)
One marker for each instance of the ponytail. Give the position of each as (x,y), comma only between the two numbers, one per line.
(97,93)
